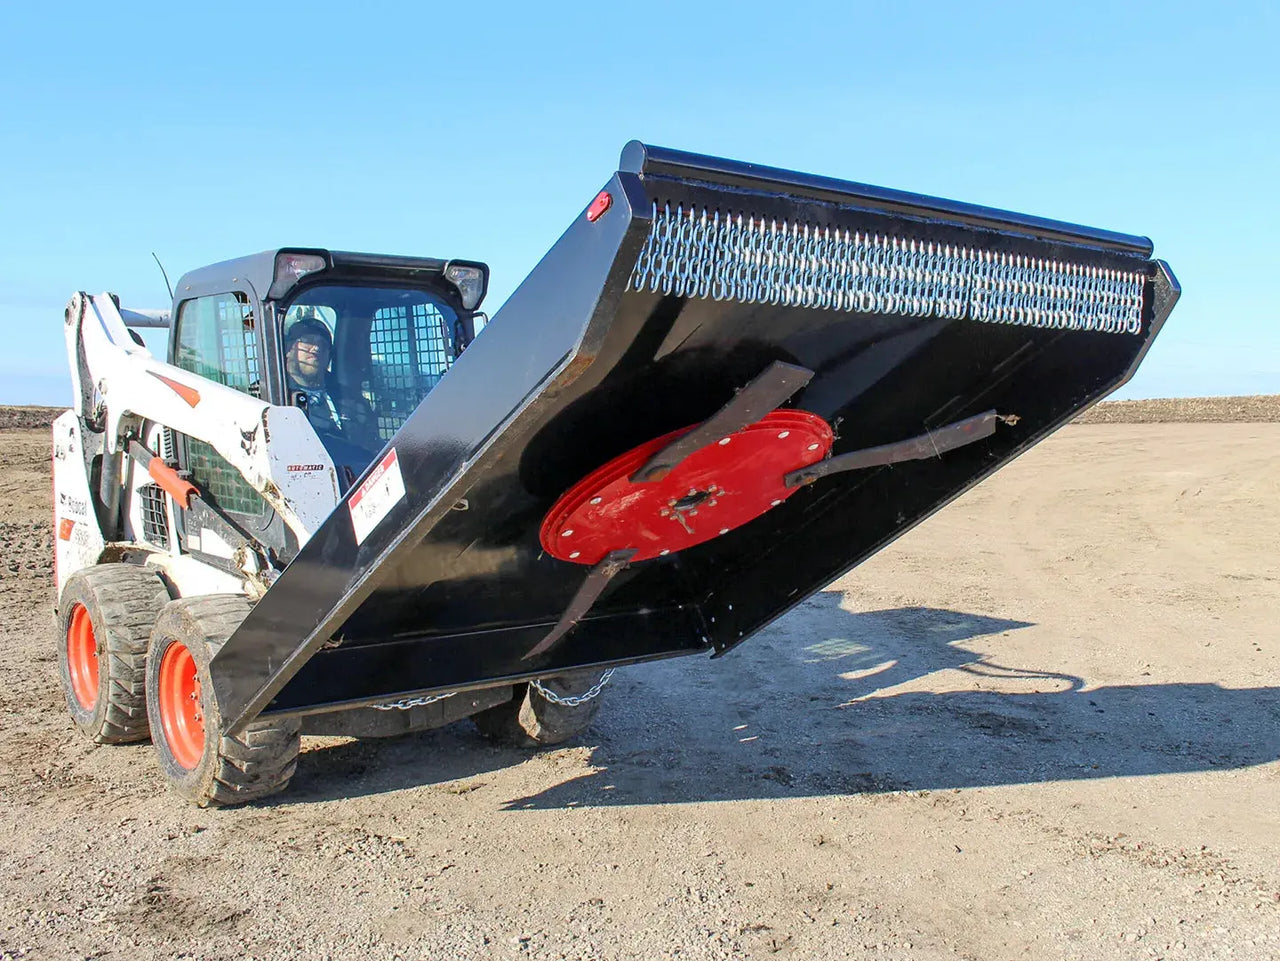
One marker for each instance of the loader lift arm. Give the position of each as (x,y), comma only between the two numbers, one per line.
(118,384)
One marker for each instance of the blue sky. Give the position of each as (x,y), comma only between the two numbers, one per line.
(479,130)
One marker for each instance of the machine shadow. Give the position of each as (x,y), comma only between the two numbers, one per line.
(828,702)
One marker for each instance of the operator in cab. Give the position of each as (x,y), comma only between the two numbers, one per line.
(343,427)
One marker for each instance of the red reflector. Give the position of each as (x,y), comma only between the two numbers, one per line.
(64,529)
(598,206)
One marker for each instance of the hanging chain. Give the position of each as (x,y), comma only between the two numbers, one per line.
(565,700)
(572,700)
(700,252)
(405,703)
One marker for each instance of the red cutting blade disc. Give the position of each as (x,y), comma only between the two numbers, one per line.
(712,491)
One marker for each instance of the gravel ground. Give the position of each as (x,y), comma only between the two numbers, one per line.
(1263,408)
(1045,724)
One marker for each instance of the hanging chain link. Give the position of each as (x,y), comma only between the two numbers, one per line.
(407,702)
(565,700)
(572,700)
(698,252)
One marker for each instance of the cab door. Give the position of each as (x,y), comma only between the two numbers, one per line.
(218,337)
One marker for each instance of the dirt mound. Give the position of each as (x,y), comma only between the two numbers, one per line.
(1260,407)
(28,418)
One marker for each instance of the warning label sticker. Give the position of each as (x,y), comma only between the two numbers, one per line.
(380,492)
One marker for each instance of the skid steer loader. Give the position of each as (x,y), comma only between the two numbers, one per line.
(336,509)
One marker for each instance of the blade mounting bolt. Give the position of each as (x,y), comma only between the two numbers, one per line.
(566,533)
(813,447)
(725,440)
(785,433)
(724,530)
(596,500)
(575,554)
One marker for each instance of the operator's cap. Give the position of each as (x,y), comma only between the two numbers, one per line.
(308,327)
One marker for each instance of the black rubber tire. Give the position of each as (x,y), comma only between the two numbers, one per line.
(123,602)
(530,720)
(231,770)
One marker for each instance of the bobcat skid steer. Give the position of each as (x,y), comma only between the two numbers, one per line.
(336,509)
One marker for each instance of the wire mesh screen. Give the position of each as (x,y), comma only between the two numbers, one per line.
(155,521)
(217,477)
(239,346)
(411,348)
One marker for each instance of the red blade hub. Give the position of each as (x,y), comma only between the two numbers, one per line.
(711,492)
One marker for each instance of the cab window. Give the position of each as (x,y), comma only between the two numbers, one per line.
(217,340)
(410,349)
(387,348)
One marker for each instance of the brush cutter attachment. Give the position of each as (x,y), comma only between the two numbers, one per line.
(722,388)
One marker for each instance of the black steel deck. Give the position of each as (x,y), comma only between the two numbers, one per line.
(579,366)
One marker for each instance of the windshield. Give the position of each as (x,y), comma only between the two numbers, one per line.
(360,359)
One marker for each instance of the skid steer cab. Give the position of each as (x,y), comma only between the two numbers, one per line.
(335,510)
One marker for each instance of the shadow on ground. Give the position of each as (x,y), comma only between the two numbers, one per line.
(810,708)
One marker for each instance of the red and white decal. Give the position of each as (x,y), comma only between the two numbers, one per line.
(373,500)
(189,394)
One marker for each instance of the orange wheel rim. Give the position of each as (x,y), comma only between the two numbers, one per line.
(181,706)
(82,657)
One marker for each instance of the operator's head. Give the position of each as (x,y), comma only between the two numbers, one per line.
(306,352)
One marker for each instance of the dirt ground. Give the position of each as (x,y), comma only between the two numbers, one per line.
(1045,724)
(28,417)
(1250,409)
